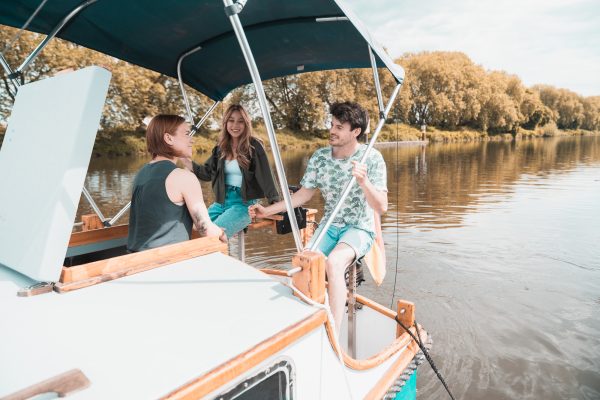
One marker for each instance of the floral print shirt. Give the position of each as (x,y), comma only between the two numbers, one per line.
(331,175)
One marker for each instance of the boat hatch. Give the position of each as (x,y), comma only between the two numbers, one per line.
(54,123)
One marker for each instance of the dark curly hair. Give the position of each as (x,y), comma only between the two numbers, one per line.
(353,114)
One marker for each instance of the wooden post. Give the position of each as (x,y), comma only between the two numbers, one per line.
(406,315)
(91,222)
(311,280)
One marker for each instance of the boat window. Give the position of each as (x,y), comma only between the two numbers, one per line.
(275,382)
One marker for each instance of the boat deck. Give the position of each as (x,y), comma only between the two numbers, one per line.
(131,337)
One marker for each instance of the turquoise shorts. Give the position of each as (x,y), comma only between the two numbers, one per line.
(359,240)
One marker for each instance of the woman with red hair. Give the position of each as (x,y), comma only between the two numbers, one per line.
(167,200)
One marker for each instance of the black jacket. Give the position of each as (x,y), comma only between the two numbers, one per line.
(257,180)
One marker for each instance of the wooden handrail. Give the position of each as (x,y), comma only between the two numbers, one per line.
(398,344)
(390,376)
(63,385)
(98,235)
(276,272)
(233,368)
(105,270)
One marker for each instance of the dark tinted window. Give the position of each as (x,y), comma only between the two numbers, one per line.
(273,383)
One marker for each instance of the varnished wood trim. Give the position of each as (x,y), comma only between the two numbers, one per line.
(277,272)
(63,385)
(261,224)
(371,362)
(390,376)
(270,220)
(233,368)
(91,222)
(311,279)
(98,235)
(105,270)
(406,315)
(375,306)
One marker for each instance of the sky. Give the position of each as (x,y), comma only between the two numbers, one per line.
(555,42)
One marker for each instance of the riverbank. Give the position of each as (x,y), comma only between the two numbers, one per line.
(127,143)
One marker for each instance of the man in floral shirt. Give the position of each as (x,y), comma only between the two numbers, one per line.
(352,231)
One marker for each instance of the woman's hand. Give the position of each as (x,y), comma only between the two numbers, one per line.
(214,230)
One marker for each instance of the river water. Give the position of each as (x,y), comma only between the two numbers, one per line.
(497,244)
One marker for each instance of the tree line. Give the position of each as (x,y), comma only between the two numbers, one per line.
(446,90)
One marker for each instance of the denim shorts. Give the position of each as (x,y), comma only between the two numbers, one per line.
(359,240)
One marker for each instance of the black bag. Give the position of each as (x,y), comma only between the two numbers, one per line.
(284,226)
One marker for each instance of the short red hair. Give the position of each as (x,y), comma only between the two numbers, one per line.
(155,134)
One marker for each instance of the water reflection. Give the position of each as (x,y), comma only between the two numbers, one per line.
(496,243)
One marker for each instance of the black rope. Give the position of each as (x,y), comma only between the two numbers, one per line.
(425,353)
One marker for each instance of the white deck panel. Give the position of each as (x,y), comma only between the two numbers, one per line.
(144,335)
(43,163)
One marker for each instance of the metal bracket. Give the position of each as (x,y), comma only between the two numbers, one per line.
(16,75)
(35,289)
(235,8)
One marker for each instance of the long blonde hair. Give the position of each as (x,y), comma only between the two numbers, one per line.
(244,148)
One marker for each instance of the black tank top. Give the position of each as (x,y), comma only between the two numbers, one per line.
(154,220)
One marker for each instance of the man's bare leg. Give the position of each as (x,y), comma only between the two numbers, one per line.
(339,258)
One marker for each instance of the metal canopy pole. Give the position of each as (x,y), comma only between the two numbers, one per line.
(377,83)
(52,34)
(232,10)
(10,73)
(95,207)
(180,79)
(349,185)
(204,118)
(119,214)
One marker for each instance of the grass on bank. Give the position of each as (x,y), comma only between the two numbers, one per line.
(128,143)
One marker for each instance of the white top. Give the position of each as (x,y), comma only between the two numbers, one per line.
(143,336)
(233,173)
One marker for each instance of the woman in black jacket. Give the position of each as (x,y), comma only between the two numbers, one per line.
(239,171)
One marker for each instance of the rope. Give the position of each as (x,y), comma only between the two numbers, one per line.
(399,383)
(25,26)
(425,353)
(333,328)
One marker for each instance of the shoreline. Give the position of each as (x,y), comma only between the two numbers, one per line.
(127,143)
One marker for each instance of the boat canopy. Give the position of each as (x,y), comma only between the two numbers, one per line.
(286,37)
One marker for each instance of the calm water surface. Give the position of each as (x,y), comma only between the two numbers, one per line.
(496,243)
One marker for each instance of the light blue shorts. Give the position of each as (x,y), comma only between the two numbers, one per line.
(359,240)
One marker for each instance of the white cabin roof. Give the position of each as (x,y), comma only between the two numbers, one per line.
(144,335)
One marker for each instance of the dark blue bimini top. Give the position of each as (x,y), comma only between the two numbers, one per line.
(284,35)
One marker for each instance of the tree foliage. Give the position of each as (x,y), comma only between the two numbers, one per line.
(134,92)
(442,89)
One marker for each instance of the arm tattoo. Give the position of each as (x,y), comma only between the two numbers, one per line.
(201,225)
